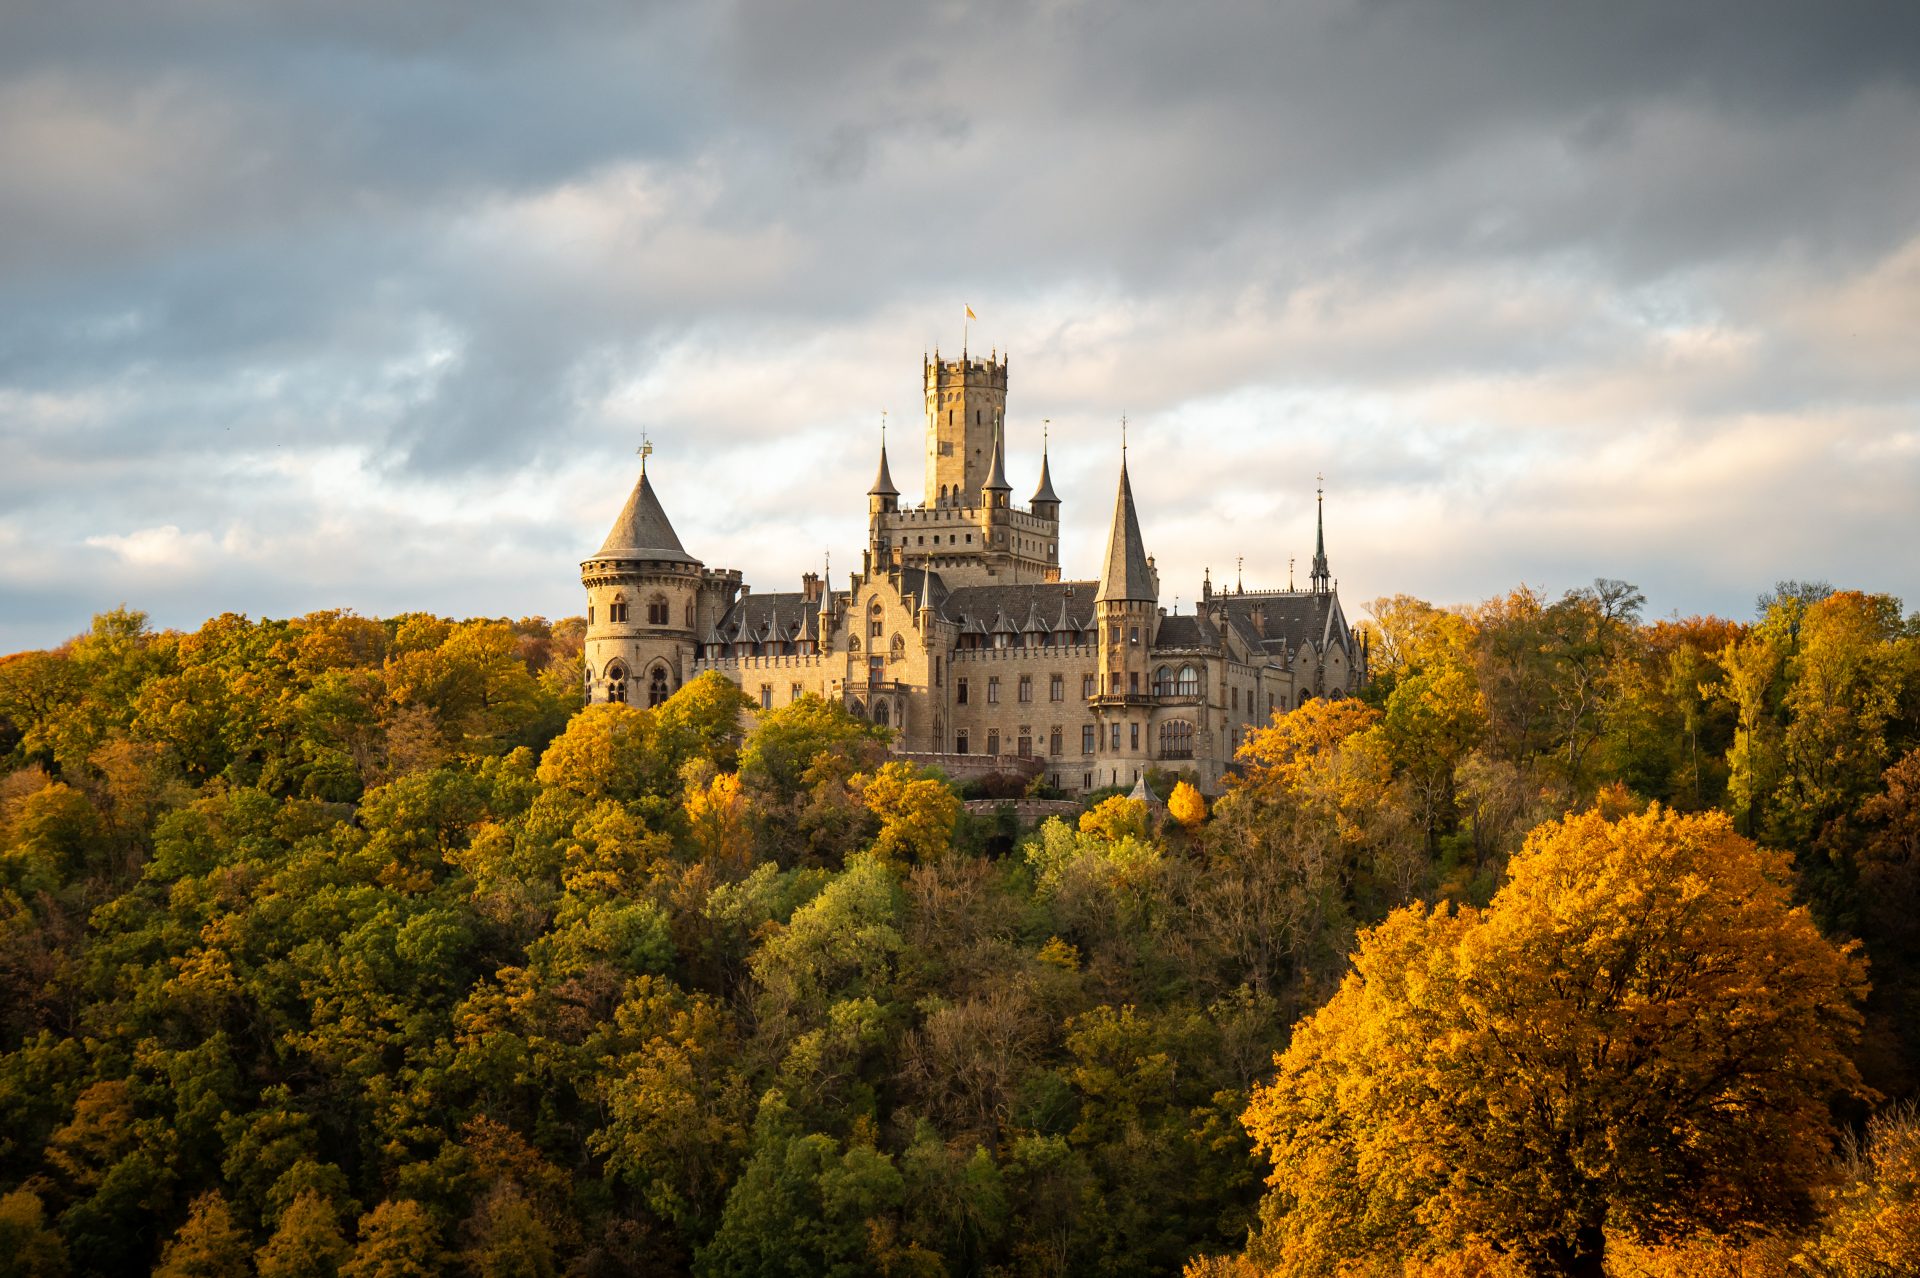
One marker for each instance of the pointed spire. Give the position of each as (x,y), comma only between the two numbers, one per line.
(1322,579)
(883,484)
(1045,491)
(1126,575)
(643,531)
(997,475)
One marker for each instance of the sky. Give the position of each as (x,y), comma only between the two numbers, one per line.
(352,304)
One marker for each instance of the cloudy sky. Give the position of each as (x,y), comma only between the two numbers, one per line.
(349,303)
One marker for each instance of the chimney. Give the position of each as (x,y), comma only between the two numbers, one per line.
(810,587)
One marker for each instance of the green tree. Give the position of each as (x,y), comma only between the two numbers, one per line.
(208,1245)
(306,1242)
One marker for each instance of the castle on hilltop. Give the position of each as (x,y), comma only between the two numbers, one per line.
(958,632)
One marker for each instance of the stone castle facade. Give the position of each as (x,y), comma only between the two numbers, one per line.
(958,631)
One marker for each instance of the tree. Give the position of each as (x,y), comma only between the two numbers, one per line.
(917,813)
(397,1240)
(1187,806)
(306,1243)
(1872,1218)
(27,1247)
(209,1244)
(1639,1034)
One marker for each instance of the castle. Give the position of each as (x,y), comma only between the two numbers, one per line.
(958,632)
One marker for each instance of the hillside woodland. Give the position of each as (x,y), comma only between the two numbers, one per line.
(1582,943)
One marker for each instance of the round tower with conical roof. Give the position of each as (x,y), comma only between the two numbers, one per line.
(642,589)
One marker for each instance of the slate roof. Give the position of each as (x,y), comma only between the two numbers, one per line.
(768,618)
(1295,618)
(1126,575)
(1052,604)
(643,531)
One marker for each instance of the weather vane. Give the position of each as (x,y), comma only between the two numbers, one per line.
(645,450)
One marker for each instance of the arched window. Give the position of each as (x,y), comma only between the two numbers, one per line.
(882,713)
(1305,696)
(657,611)
(875,617)
(897,650)
(617,610)
(689,616)
(616,681)
(1189,685)
(657,689)
(1162,682)
(1176,739)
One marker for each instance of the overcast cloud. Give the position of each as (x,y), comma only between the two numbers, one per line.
(335,303)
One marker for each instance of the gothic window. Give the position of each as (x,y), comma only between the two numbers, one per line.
(657,690)
(993,741)
(1176,740)
(874,622)
(882,713)
(1304,694)
(766,696)
(993,692)
(617,610)
(689,616)
(1026,688)
(853,643)
(960,741)
(657,611)
(897,650)
(1086,687)
(1057,688)
(1162,682)
(1086,738)
(1189,685)
(616,681)
(1026,745)
(1053,740)
(960,691)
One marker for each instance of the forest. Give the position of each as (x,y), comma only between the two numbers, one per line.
(1582,943)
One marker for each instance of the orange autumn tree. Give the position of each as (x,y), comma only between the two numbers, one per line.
(1638,1036)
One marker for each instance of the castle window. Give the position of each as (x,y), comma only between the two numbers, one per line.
(969,539)
(766,696)
(993,690)
(1026,688)
(657,611)
(993,741)
(1133,682)
(936,672)
(589,614)
(1026,745)
(1269,703)
(875,621)
(897,650)
(689,616)
(1189,685)
(1057,690)
(960,741)
(794,692)
(1133,636)
(1086,687)
(960,691)
(876,670)
(1304,694)
(617,610)
(1115,736)
(1134,735)
(882,714)
(1053,740)
(657,690)
(1176,740)
(616,682)
(1234,696)
(1086,738)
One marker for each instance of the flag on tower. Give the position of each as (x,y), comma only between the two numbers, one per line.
(970,314)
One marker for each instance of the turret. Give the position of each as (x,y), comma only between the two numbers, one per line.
(642,594)
(1322,579)
(1126,610)
(1046,502)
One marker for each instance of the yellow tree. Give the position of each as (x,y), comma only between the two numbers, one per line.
(1640,1034)
(1186,805)
(917,814)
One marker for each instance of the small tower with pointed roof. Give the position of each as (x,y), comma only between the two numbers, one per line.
(1126,610)
(642,594)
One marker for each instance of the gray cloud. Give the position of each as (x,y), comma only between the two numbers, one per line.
(303,303)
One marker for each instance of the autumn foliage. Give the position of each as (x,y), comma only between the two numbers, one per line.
(344,946)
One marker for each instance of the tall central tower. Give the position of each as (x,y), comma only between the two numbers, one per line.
(966,404)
